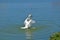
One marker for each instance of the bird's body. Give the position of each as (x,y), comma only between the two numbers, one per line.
(28,22)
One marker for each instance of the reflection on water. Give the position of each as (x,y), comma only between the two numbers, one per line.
(13,32)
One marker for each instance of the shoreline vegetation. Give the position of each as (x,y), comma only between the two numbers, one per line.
(55,36)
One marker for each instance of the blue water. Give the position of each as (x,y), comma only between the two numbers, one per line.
(13,13)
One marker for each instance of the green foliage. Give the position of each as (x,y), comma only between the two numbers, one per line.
(55,36)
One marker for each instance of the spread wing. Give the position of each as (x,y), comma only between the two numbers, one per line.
(33,21)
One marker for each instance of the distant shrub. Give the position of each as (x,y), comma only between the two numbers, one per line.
(55,36)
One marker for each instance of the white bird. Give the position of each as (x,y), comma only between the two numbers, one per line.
(28,22)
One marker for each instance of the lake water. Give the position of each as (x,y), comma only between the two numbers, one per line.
(46,13)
